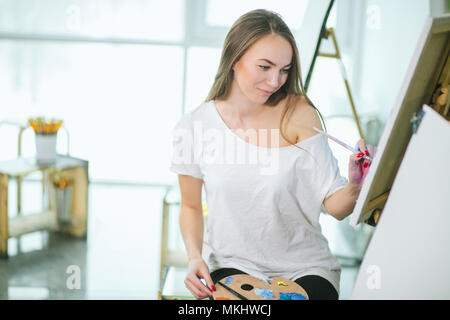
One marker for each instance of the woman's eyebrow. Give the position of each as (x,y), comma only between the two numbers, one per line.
(273,64)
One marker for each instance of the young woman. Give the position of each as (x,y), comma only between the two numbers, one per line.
(263,219)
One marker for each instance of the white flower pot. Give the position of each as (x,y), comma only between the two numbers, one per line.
(45,149)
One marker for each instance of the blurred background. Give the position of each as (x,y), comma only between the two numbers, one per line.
(120,74)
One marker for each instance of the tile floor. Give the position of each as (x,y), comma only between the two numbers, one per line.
(118,260)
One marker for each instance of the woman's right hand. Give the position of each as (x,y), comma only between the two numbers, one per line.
(199,270)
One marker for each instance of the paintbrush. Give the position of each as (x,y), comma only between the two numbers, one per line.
(342,144)
(237,294)
(206,285)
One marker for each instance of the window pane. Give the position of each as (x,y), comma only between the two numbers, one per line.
(119,103)
(327,88)
(201,69)
(94,18)
(224,13)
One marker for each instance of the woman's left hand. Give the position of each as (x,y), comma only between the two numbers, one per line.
(358,166)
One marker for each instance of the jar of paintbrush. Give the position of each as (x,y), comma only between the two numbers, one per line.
(45,139)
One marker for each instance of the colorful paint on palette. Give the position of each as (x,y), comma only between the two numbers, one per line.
(281,283)
(291,296)
(228,280)
(264,293)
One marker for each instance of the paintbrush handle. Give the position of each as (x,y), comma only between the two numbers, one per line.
(346,146)
(237,294)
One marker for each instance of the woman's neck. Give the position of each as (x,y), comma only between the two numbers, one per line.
(239,107)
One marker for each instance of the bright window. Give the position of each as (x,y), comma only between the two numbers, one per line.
(112,70)
(146,19)
(201,69)
(224,13)
(117,101)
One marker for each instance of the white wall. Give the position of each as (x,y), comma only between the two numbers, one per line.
(388,37)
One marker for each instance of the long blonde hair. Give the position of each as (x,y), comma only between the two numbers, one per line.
(248,29)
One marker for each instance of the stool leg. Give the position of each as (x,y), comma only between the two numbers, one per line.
(3,215)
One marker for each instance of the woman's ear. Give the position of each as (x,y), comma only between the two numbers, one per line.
(234,65)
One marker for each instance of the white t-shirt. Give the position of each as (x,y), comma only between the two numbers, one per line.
(263,203)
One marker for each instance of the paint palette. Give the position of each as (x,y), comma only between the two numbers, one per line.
(255,289)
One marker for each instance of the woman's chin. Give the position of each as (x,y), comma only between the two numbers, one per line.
(261,99)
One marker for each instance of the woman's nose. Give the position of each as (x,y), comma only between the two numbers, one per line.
(274,79)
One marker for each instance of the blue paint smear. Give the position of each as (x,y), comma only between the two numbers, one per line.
(264,293)
(228,280)
(291,296)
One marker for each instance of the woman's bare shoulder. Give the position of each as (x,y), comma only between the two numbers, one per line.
(304,117)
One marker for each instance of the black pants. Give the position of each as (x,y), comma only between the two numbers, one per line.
(316,287)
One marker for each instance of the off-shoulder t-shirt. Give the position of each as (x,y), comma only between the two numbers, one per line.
(263,203)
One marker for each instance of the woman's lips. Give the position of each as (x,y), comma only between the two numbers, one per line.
(265,92)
